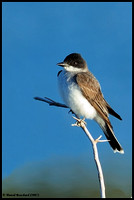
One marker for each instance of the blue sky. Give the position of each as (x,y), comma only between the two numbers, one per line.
(36,36)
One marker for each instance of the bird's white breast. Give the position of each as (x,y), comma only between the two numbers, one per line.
(73,97)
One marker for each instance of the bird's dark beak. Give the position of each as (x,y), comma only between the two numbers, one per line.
(62,64)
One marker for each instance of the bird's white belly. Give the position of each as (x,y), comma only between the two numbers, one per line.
(74,98)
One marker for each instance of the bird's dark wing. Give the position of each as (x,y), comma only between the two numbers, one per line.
(112,112)
(90,88)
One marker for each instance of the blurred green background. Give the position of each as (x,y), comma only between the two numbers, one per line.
(62,178)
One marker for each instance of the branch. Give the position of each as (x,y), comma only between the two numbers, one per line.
(82,124)
(50,102)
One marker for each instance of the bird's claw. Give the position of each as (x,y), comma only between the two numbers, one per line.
(79,122)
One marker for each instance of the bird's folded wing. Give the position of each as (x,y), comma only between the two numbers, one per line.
(90,88)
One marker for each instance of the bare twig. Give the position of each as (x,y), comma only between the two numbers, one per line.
(50,102)
(81,123)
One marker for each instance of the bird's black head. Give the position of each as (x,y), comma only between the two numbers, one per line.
(73,60)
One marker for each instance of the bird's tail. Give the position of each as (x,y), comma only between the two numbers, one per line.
(108,131)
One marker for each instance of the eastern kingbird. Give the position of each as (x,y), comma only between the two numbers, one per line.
(81,92)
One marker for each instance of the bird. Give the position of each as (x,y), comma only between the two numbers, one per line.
(81,92)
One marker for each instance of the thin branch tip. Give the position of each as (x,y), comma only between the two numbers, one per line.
(51,102)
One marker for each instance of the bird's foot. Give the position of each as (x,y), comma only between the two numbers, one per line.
(79,122)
